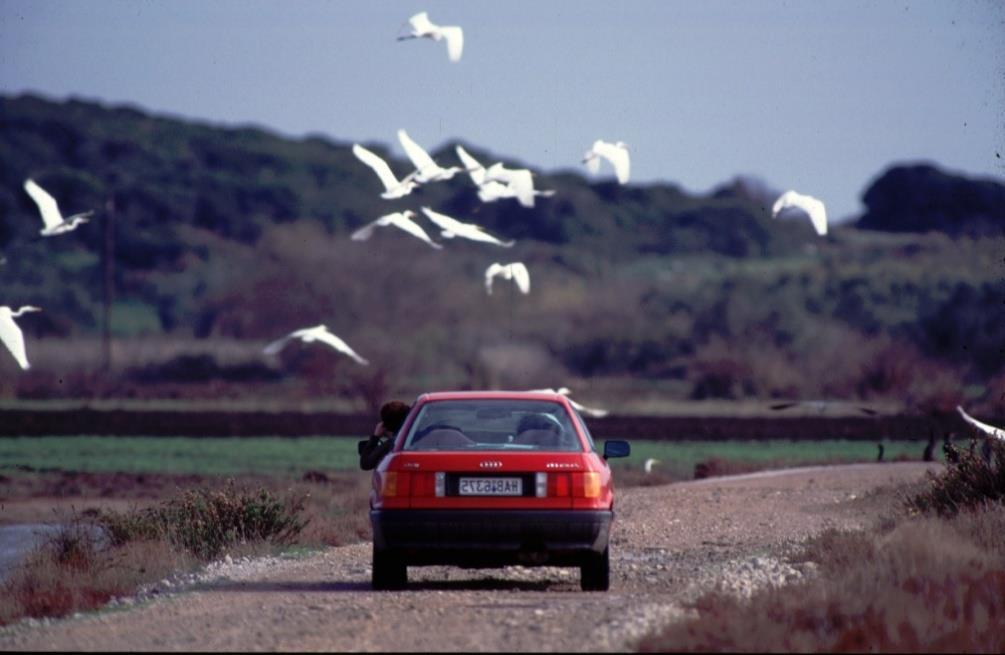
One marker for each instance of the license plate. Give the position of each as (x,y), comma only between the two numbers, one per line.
(491,487)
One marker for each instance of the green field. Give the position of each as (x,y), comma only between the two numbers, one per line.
(291,457)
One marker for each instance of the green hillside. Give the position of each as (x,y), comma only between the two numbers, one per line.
(225,238)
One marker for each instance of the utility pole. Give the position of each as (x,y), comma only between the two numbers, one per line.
(108,263)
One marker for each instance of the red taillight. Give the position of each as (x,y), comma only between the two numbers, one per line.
(423,484)
(586,485)
(558,485)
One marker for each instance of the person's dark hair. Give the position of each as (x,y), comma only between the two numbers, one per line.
(393,413)
(535,422)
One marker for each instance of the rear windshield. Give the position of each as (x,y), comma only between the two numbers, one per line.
(492,425)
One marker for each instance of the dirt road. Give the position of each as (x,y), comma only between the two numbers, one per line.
(669,544)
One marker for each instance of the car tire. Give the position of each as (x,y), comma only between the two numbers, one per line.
(595,573)
(389,572)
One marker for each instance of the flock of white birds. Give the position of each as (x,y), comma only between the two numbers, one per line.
(494,183)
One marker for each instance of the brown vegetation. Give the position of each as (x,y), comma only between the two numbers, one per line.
(72,572)
(932,580)
(921,584)
(99,555)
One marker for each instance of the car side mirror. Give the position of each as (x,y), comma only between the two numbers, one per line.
(360,446)
(617,448)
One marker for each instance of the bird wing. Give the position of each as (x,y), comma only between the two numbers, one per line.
(419,157)
(403,222)
(521,182)
(521,276)
(589,411)
(809,205)
(12,337)
(378,165)
(446,223)
(618,157)
(455,41)
(421,24)
(466,230)
(591,159)
(46,203)
(365,232)
(474,168)
(339,345)
(818,214)
(989,430)
(277,345)
(490,273)
(491,191)
(785,200)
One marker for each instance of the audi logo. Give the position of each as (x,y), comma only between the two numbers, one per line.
(490,464)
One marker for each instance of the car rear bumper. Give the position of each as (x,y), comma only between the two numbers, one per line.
(493,537)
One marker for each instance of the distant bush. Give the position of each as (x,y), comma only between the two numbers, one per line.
(206,522)
(203,368)
(971,481)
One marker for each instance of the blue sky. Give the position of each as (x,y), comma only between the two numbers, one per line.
(814,96)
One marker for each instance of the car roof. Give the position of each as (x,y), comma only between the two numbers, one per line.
(490,395)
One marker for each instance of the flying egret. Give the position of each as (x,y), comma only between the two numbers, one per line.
(402,220)
(451,227)
(426,170)
(11,334)
(312,334)
(807,204)
(564,391)
(989,430)
(51,217)
(515,271)
(615,153)
(422,27)
(648,466)
(498,182)
(519,181)
(474,168)
(393,188)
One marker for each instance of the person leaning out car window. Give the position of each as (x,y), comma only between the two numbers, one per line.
(392,415)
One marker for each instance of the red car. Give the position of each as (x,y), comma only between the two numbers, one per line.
(489,479)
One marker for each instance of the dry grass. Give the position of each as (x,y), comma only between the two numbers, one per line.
(72,573)
(917,584)
(80,568)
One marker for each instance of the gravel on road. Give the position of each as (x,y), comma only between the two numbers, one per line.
(669,544)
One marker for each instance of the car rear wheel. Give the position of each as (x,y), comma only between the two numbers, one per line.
(595,573)
(389,572)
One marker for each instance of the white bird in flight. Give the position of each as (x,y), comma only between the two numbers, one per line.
(515,271)
(393,187)
(564,391)
(426,170)
(498,182)
(474,168)
(51,217)
(312,334)
(648,466)
(519,183)
(615,153)
(989,430)
(422,27)
(808,204)
(451,227)
(11,334)
(402,220)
